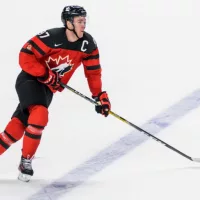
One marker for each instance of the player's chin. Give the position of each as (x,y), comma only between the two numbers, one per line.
(80,35)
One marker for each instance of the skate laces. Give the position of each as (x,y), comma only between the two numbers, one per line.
(27,163)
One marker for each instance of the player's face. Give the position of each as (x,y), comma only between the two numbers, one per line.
(79,24)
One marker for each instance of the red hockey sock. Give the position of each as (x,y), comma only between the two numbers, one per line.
(12,133)
(31,141)
(37,120)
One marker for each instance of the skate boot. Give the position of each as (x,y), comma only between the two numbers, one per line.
(25,170)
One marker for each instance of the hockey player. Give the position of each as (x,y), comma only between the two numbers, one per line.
(46,59)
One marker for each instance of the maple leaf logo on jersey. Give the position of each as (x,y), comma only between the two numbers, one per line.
(61,64)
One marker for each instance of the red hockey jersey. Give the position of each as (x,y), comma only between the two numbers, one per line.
(51,49)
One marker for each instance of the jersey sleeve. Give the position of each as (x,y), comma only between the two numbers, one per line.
(92,69)
(32,52)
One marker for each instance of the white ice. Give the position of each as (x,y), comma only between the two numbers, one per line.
(149,53)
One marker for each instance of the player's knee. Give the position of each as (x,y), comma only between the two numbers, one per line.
(33,132)
(12,133)
(14,129)
(5,142)
(38,116)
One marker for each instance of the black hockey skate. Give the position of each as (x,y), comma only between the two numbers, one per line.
(25,170)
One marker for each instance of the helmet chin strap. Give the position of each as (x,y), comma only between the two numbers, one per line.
(73,30)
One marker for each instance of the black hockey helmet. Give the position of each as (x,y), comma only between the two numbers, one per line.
(69,12)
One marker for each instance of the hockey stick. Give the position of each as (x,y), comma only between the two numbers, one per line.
(131,124)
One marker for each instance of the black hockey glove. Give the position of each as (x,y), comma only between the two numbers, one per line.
(104,103)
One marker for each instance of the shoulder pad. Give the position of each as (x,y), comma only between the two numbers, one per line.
(51,36)
(92,45)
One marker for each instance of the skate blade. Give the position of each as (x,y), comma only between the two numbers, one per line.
(24,177)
